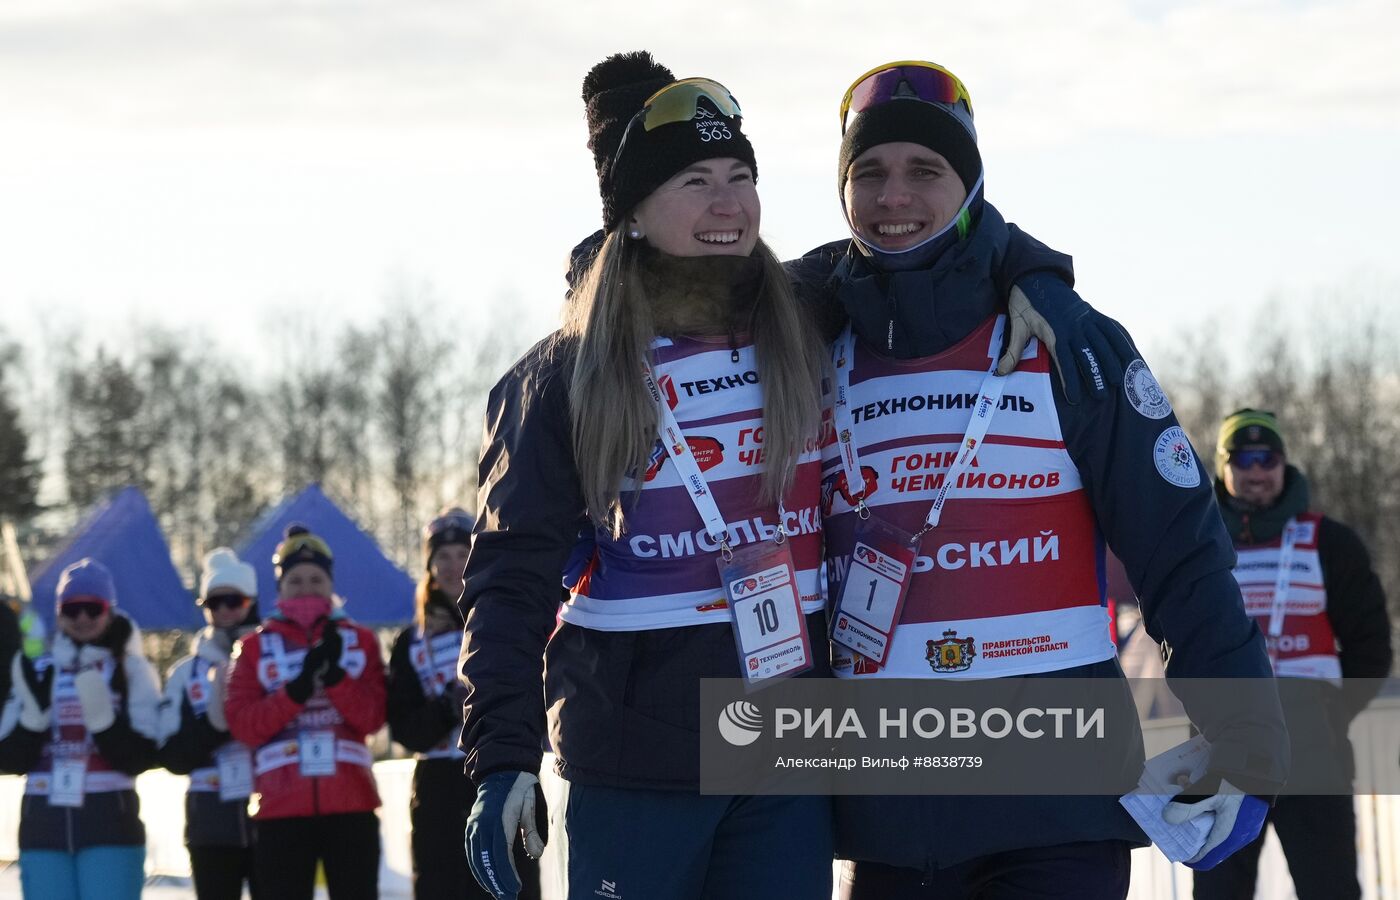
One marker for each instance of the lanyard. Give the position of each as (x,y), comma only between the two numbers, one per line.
(1285,573)
(989,397)
(673,438)
(69,695)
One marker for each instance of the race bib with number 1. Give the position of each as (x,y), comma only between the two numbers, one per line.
(770,630)
(872,594)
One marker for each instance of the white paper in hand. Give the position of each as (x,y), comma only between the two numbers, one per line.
(1162,779)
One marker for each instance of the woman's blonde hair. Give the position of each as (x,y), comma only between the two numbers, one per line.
(614,415)
(424,592)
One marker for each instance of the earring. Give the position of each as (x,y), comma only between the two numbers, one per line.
(635,234)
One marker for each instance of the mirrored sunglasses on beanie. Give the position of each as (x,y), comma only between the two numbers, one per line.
(903,80)
(300,546)
(678,102)
(84,607)
(1268,460)
(450,528)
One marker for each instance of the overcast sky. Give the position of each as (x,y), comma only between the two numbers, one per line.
(218,163)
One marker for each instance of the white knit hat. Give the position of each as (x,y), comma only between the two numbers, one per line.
(223,569)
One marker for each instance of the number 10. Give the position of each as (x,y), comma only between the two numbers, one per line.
(767,615)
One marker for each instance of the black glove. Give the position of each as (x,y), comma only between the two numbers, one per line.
(303,686)
(331,646)
(40,684)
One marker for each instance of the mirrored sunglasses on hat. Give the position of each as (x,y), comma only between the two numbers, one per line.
(219,601)
(1268,460)
(90,607)
(677,102)
(449,521)
(292,549)
(907,79)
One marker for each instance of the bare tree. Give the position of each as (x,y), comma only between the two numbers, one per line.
(235,480)
(352,442)
(107,444)
(1195,377)
(407,405)
(19,470)
(477,361)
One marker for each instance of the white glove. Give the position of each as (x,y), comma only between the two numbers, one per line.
(92,656)
(33,714)
(217,677)
(93,694)
(1225,804)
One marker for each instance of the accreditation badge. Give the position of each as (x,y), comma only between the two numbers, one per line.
(69,778)
(873,591)
(770,630)
(235,771)
(316,753)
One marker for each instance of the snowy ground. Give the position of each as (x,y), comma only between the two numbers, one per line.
(159,888)
(156,888)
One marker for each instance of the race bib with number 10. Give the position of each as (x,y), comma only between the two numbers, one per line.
(770,630)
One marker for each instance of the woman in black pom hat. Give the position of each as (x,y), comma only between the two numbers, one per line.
(425,716)
(656,449)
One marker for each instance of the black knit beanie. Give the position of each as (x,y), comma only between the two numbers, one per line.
(298,546)
(946,130)
(614,92)
(453,525)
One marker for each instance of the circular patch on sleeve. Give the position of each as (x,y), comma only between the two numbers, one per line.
(1176,461)
(1144,393)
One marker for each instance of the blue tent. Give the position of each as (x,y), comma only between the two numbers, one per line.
(375,590)
(124,536)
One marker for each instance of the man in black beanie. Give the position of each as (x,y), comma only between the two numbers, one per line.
(918,282)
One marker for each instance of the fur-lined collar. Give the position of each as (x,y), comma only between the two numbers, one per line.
(700,295)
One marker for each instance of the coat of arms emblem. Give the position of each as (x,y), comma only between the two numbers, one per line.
(952,653)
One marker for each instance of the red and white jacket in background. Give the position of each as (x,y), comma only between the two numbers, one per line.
(263,716)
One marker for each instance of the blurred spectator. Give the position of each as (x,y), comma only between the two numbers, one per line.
(304,692)
(196,740)
(81,722)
